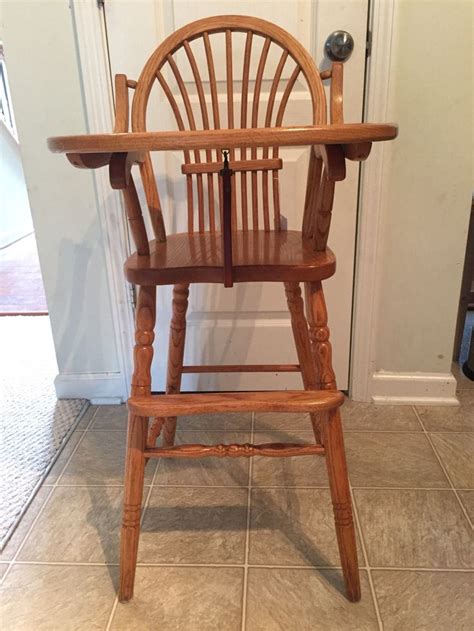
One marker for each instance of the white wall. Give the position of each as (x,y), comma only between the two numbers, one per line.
(46,90)
(429,186)
(425,217)
(15,217)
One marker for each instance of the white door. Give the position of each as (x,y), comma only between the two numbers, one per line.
(249,323)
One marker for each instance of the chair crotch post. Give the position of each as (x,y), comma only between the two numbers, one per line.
(341,501)
(300,330)
(175,354)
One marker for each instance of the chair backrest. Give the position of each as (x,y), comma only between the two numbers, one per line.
(253,207)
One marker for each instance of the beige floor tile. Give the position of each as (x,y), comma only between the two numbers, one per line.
(64,456)
(187,598)
(78,524)
(86,418)
(450,418)
(457,454)
(110,417)
(293,527)
(269,421)
(236,422)
(467,498)
(418,529)
(100,459)
(305,600)
(298,471)
(206,471)
(425,600)
(56,598)
(358,416)
(21,530)
(194,525)
(396,459)
(3,569)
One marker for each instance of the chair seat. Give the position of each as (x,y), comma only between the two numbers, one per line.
(257,256)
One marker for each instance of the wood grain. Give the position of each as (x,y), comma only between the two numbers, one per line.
(316,313)
(300,330)
(175,354)
(342,505)
(132,503)
(224,138)
(135,219)
(121,104)
(236,165)
(145,317)
(228,24)
(246,450)
(192,404)
(257,256)
(209,368)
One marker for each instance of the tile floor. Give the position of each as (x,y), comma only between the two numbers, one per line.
(239,544)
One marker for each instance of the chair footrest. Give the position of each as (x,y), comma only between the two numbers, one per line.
(192,404)
(247,450)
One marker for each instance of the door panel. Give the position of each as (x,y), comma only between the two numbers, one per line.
(249,323)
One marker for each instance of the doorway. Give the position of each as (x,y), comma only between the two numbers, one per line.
(234,327)
(35,425)
(22,291)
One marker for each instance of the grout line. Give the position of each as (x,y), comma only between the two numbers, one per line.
(69,563)
(401,488)
(463,489)
(423,569)
(284,430)
(251,565)
(247,533)
(112,614)
(278,430)
(466,431)
(40,512)
(453,489)
(265,486)
(91,420)
(367,564)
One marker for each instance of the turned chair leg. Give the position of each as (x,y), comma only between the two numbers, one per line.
(136,441)
(317,315)
(299,326)
(342,505)
(132,503)
(175,354)
(333,440)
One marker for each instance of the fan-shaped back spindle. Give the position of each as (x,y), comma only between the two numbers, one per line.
(165,66)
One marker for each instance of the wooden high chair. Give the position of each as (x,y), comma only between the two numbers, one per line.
(230,239)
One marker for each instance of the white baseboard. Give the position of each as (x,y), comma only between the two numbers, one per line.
(99,388)
(395,388)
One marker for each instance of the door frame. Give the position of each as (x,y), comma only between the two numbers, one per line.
(88,21)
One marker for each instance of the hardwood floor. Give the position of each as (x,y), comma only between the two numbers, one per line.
(21,285)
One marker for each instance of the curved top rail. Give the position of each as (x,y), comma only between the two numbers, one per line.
(218,24)
(224,138)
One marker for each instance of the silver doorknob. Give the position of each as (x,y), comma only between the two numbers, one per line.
(339,46)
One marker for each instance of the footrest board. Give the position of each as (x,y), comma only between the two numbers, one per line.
(247,450)
(193,404)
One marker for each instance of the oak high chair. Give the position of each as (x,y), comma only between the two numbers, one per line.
(230,239)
